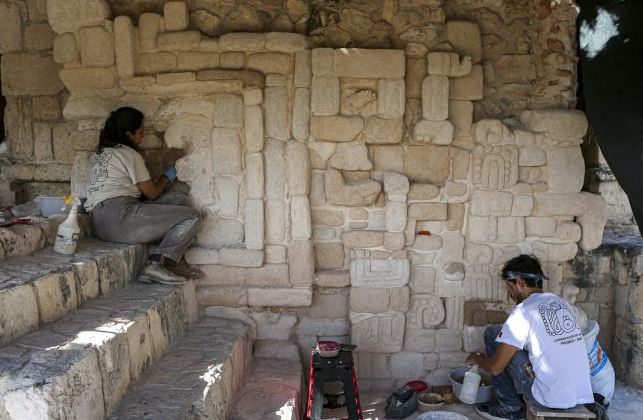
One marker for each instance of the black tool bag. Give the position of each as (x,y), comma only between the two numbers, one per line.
(402,403)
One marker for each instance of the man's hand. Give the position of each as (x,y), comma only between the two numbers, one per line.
(496,364)
(474,359)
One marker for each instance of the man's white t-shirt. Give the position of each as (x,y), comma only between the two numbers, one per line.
(545,326)
(115,173)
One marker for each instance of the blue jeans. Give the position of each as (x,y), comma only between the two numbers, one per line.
(516,379)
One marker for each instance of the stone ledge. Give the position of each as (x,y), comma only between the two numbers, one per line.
(45,286)
(197,378)
(80,366)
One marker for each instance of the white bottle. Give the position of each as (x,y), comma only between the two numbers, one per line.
(470,385)
(68,232)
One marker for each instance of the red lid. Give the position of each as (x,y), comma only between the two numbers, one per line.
(327,345)
(418,386)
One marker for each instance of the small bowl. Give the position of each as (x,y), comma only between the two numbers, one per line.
(430,401)
(328,348)
(418,386)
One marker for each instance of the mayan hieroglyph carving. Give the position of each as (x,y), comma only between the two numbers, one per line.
(378,333)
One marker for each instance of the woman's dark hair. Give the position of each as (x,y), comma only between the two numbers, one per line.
(118,126)
(526,267)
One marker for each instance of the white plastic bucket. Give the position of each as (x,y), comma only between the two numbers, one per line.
(600,367)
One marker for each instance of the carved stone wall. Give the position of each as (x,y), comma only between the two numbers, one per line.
(357,194)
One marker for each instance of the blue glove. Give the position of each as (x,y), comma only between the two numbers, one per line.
(170,174)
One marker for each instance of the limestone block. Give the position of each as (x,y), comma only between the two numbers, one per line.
(232,60)
(492,132)
(464,37)
(448,340)
(454,271)
(453,248)
(422,279)
(272,275)
(252,96)
(56,295)
(96,47)
(219,232)
(531,155)
(303,69)
(394,241)
(391,98)
(329,306)
(65,48)
(477,254)
(329,255)
(359,97)
(238,257)
(388,159)
(149,26)
(428,211)
(514,68)
(355,194)
(223,296)
(436,132)
(29,74)
(326,217)
(589,209)
(481,229)
(126,49)
(455,191)
(378,300)
(151,63)
(275,220)
(495,167)
(423,191)
(415,74)
(448,64)
(310,330)
(427,243)
(38,36)
(81,170)
(568,231)
(540,226)
(362,239)
(551,252)
(454,316)
(323,62)
(565,169)
(242,41)
(396,216)
(178,41)
(376,220)
(351,157)
(325,95)
(407,365)
(564,125)
(469,87)
(229,111)
(295,297)
(473,339)
(192,60)
(426,311)
(382,333)
(301,114)
(319,153)
(175,16)
(275,164)
(300,218)
(270,62)
(455,218)
(170,79)
(10,28)
(301,263)
(254,224)
(275,254)
(274,326)
(491,203)
(226,151)
(285,42)
(298,168)
(427,164)
(335,128)
(276,109)
(69,15)
(435,98)
(396,185)
(332,278)
(383,131)
(523,205)
(18,312)
(367,64)
(461,116)
(511,230)
(253,128)
(367,272)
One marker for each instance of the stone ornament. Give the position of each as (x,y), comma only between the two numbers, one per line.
(425,312)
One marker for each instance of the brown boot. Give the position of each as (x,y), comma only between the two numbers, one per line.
(183,269)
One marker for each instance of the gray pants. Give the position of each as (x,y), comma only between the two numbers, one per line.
(167,219)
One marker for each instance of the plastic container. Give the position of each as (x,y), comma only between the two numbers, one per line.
(430,401)
(418,386)
(328,348)
(50,206)
(602,374)
(470,385)
(485,391)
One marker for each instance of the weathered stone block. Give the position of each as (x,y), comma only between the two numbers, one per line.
(272,275)
(448,340)
(482,229)
(300,218)
(464,37)
(436,132)
(329,306)
(469,87)
(301,296)
(461,116)
(435,98)
(515,68)
(511,230)
(335,128)
(10,28)
(427,164)
(126,48)
(325,95)
(29,74)
(253,128)
(367,64)
(242,41)
(270,62)
(178,41)
(161,62)
(65,48)
(192,61)
(391,98)
(38,36)
(301,263)
(383,333)
(237,257)
(96,47)
(275,164)
(329,255)
(367,272)
(422,279)
(362,239)
(540,226)
(323,62)
(565,169)
(149,26)
(175,16)
(285,42)
(427,243)
(301,114)
(276,109)
(383,131)
(396,216)
(554,252)
(18,312)
(428,211)
(448,64)
(350,157)
(68,16)
(565,125)
(254,224)
(274,326)
(491,203)
(355,194)
(226,151)
(56,295)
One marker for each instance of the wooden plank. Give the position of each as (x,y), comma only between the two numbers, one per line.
(578,412)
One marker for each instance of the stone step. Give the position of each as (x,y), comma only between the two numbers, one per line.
(80,366)
(42,287)
(273,385)
(197,378)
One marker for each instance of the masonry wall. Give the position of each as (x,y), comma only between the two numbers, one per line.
(366,194)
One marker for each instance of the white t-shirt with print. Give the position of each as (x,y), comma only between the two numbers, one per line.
(115,173)
(545,326)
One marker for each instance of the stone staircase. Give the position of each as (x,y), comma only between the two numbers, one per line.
(79,339)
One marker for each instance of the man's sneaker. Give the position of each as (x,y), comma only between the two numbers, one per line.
(157,272)
(183,269)
(493,411)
